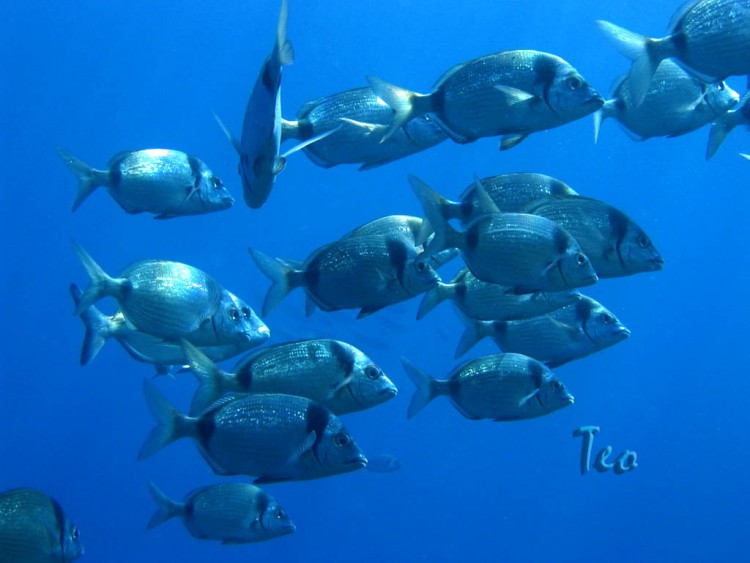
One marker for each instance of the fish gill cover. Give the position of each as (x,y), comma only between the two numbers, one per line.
(97,79)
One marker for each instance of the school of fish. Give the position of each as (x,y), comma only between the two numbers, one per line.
(527,243)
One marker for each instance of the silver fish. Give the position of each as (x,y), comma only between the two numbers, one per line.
(614,243)
(711,37)
(274,437)
(510,93)
(362,119)
(169,300)
(490,301)
(499,387)
(35,529)
(260,142)
(365,272)
(335,374)
(525,252)
(166,182)
(232,513)
(676,103)
(724,125)
(567,334)
(163,354)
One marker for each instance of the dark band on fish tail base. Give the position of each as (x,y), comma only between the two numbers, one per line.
(472,238)
(189,508)
(305,129)
(115,176)
(437,100)
(679,41)
(206,426)
(245,376)
(343,358)
(466,209)
(268,79)
(312,277)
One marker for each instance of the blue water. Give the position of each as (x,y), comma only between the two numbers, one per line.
(100,77)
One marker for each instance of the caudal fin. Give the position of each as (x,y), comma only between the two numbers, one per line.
(435,297)
(98,328)
(101,283)
(433,204)
(642,50)
(475,331)
(283,47)
(719,131)
(171,425)
(283,278)
(404,103)
(209,377)
(427,388)
(166,508)
(88,178)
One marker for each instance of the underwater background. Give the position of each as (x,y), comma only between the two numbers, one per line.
(100,77)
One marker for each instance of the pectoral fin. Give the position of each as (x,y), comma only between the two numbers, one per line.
(515,96)
(528,397)
(346,381)
(304,447)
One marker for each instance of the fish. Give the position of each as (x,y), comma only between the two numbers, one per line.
(365,272)
(165,182)
(272,436)
(163,354)
(361,119)
(335,374)
(35,529)
(489,301)
(165,299)
(508,93)
(527,253)
(233,513)
(676,103)
(501,387)
(613,242)
(383,463)
(728,121)
(566,334)
(709,37)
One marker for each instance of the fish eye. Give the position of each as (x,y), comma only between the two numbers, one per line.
(217,183)
(372,372)
(421,266)
(280,514)
(75,533)
(721,86)
(643,241)
(556,385)
(581,259)
(574,82)
(607,319)
(246,312)
(234,314)
(342,440)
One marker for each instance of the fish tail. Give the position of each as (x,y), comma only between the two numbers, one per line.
(475,331)
(719,131)
(283,278)
(645,52)
(166,508)
(209,377)
(434,297)
(284,49)
(434,205)
(607,110)
(404,103)
(88,178)
(101,283)
(171,425)
(98,328)
(427,388)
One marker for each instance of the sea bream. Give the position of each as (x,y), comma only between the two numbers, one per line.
(260,143)
(490,301)
(164,354)
(232,513)
(710,37)
(509,93)
(168,300)
(676,103)
(500,387)
(165,182)
(271,436)
(527,253)
(361,119)
(35,529)
(724,125)
(614,243)
(566,334)
(335,374)
(358,271)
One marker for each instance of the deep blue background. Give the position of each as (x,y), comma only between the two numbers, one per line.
(100,77)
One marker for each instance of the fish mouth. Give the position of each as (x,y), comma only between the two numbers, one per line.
(622,331)
(596,101)
(589,280)
(388,392)
(657,262)
(571,400)
(357,463)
